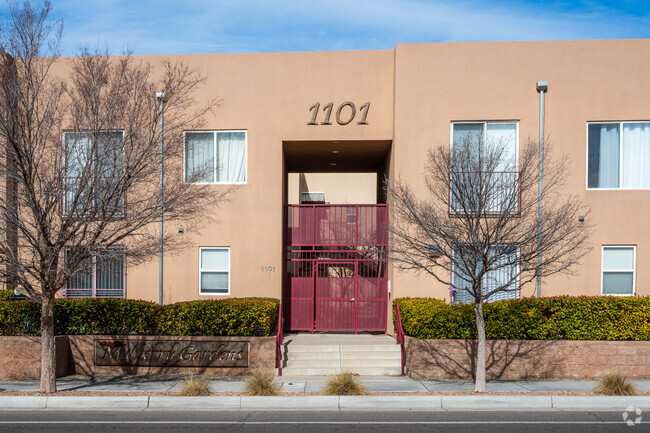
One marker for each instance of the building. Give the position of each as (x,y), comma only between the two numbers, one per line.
(327,127)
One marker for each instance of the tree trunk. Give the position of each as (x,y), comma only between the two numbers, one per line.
(48,371)
(479,384)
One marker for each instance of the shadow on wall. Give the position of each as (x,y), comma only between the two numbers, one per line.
(455,359)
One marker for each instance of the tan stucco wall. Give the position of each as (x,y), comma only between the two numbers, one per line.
(339,188)
(436,84)
(415,91)
(268,95)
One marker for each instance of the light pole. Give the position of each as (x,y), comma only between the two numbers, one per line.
(542,86)
(160,96)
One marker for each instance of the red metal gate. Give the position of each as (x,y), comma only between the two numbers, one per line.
(335,268)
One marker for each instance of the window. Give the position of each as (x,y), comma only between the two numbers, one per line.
(618,155)
(484,162)
(214,271)
(505,274)
(94,169)
(101,276)
(215,157)
(618,270)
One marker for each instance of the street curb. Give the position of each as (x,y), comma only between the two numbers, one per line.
(390,402)
(97,403)
(497,402)
(194,403)
(328,403)
(600,403)
(285,403)
(22,402)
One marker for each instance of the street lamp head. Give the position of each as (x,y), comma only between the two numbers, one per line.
(160,96)
(542,86)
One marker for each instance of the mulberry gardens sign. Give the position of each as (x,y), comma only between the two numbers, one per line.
(171,353)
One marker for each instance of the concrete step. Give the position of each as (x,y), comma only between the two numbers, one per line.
(312,348)
(308,356)
(380,363)
(320,348)
(363,371)
(370,348)
(313,363)
(372,355)
(345,363)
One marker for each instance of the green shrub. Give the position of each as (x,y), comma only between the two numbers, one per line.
(5,295)
(103,316)
(20,318)
(235,316)
(557,318)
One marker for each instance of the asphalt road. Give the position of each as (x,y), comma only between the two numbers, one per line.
(315,422)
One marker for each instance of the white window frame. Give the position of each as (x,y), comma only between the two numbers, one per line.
(620,149)
(603,271)
(215,270)
(214,165)
(485,124)
(88,131)
(94,289)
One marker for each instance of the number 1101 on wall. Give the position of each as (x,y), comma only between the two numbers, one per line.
(345,113)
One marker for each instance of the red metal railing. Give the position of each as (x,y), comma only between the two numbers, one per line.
(493,191)
(322,225)
(400,334)
(279,339)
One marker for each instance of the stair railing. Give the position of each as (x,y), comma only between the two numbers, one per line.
(400,336)
(279,339)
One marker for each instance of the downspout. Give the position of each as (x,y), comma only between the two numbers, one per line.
(542,86)
(161,99)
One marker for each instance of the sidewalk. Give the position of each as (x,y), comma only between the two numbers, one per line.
(314,384)
(399,388)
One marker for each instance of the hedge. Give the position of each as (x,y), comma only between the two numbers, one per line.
(5,295)
(246,316)
(235,316)
(556,318)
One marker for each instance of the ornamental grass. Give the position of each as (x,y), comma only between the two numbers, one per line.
(344,383)
(195,386)
(615,384)
(260,383)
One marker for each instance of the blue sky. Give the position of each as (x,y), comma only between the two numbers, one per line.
(222,26)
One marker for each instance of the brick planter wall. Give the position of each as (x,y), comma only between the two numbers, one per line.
(532,359)
(20,357)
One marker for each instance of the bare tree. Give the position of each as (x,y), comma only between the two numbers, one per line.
(80,152)
(476,227)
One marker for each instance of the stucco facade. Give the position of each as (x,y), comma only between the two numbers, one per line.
(405,100)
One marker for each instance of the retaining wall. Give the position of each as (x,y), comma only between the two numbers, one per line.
(20,357)
(529,359)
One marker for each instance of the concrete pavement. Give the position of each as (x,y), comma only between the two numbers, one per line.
(314,384)
(532,400)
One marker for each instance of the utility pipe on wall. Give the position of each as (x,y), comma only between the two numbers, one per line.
(160,96)
(542,86)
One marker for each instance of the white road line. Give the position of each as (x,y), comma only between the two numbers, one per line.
(318,422)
